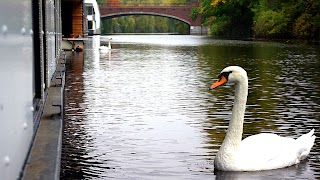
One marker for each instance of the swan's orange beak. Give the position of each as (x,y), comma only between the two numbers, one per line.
(219,82)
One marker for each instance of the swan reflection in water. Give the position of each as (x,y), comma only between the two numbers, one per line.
(105,55)
(293,172)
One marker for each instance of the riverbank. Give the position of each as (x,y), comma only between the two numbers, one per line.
(283,40)
(295,41)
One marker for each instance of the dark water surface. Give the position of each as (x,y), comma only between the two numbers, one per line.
(144,111)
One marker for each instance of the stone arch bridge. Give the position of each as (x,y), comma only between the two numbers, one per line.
(179,11)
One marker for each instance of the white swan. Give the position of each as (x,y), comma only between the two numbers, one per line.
(263,151)
(106,47)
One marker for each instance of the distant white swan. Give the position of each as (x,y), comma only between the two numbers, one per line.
(263,151)
(106,47)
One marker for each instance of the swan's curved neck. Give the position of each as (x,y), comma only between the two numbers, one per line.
(109,45)
(234,133)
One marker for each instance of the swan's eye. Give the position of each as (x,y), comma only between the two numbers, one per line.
(225,74)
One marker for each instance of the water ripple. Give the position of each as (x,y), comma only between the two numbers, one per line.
(144,111)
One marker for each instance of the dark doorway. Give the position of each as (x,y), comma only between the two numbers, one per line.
(66,14)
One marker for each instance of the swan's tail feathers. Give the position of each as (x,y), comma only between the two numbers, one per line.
(305,143)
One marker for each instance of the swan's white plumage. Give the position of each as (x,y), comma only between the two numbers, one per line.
(263,151)
(106,47)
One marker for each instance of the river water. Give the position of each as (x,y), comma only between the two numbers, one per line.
(144,111)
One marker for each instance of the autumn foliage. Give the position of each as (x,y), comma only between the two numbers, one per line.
(262,18)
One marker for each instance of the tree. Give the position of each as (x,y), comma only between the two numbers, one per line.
(161,25)
(232,18)
(194,14)
(106,26)
(271,24)
(142,24)
(129,24)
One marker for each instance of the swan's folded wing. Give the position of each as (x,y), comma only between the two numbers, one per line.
(268,148)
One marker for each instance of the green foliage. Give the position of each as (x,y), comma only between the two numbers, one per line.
(194,14)
(266,5)
(287,19)
(162,25)
(262,18)
(271,24)
(206,10)
(127,24)
(306,26)
(220,26)
(231,19)
(106,25)
(302,28)
(116,25)
(143,24)
(181,28)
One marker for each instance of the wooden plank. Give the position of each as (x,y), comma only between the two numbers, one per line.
(77,19)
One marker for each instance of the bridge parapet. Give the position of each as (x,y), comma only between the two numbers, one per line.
(155,4)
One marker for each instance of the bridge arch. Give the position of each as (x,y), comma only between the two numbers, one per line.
(179,12)
(144,13)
